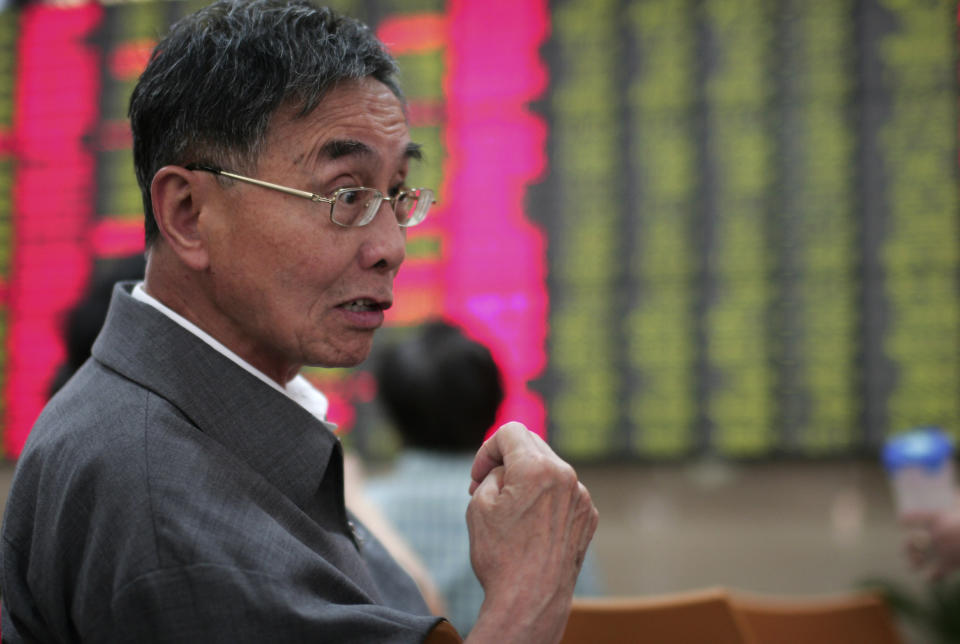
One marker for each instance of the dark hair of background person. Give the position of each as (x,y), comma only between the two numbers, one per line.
(83,322)
(212,84)
(441,389)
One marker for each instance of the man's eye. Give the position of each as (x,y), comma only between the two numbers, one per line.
(349,197)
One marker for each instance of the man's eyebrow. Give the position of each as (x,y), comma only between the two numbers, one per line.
(344,147)
(414,151)
(338,148)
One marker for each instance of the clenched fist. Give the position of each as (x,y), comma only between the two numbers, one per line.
(530,522)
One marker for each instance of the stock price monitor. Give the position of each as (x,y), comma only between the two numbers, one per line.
(684,227)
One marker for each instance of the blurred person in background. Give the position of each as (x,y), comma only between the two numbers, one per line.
(442,392)
(184,485)
(933,543)
(83,322)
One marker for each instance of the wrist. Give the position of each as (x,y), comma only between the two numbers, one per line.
(520,616)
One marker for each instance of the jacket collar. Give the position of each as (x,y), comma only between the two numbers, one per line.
(275,436)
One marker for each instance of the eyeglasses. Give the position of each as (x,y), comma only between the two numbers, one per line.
(350,207)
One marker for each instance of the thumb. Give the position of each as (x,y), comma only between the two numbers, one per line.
(489,488)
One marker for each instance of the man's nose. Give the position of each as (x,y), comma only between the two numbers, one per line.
(385,246)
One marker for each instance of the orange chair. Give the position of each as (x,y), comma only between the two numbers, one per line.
(855,618)
(443,633)
(697,617)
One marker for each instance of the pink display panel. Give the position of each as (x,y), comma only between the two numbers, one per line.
(486,267)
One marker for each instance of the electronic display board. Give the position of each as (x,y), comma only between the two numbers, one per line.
(751,214)
(683,226)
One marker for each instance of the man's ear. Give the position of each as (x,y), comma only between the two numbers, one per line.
(177,200)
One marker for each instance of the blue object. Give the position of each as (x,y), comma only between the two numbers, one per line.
(927,447)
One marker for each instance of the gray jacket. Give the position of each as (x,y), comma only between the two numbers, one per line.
(167,495)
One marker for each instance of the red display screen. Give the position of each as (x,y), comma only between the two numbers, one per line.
(476,260)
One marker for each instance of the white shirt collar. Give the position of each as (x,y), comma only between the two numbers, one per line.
(297,389)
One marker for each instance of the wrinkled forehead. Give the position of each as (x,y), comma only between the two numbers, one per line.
(363,120)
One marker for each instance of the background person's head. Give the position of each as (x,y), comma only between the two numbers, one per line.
(214,82)
(441,389)
(83,322)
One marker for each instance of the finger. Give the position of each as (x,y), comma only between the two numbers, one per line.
(582,512)
(593,515)
(509,439)
(488,489)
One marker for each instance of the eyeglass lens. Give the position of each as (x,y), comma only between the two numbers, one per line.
(359,207)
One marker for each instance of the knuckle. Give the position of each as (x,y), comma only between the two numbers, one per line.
(585,496)
(560,473)
(513,427)
(567,475)
(587,506)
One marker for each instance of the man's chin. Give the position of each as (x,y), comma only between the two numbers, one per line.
(343,357)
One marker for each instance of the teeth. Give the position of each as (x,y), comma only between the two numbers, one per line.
(361,305)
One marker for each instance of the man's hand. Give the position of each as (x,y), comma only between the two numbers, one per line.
(530,523)
(933,543)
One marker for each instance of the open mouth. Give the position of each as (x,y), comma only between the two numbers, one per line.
(363,305)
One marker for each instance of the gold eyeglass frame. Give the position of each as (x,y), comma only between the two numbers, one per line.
(420,193)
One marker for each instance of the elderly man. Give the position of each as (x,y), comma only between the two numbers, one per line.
(183,486)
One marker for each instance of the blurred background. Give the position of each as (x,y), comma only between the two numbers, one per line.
(713,244)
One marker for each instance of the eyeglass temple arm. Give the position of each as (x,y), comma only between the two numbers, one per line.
(273,186)
(258,182)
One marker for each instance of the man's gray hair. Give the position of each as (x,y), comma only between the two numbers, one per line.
(215,80)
